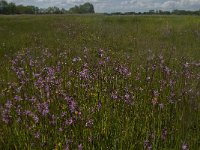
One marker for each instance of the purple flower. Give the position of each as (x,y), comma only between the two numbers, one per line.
(63,114)
(164,134)
(186,65)
(69,121)
(37,135)
(101,63)
(100,52)
(76,59)
(89,123)
(124,71)
(99,105)
(84,74)
(43,108)
(80,147)
(114,95)
(18,120)
(127,96)
(54,118)
(67,147)
(72,105)
(31,63)
(17,98)
(161,105)
(18,110)
(33,99)
(51,71)
(8,104)
(27,112)
(155,93)
(35,118)
(147,145)
(6,115)
(167,70)
(185,147)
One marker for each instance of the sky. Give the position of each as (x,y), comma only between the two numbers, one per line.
(117,5)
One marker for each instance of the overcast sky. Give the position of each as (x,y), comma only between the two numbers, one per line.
(117,5)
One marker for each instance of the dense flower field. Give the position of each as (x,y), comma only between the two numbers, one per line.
(99,98)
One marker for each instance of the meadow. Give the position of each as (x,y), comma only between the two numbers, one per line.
(99,82)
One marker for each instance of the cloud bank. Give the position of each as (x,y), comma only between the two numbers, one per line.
(117,5)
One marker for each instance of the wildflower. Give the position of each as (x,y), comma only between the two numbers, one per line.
(18,110)
(167,70)
(161,105)
(156,93)
(8,104)
(114,95)
(148,78)
(76,59)
(69,121)
(100,52)
(124,71)
(33,99)
(127,98)
(37,135)
(6,115)
(31,63)
(84,74)
(67,147)
(185,147)
(63,114)
(35,118)
(80,147)
(153,67)
(154,100)
(54,118)
(164,134)
(17,98)
(99,105)
(186,65)
(101,63)
(60,129)
(147,145)
(72,105)
(18,120)
(43,108)
(89,123)
(27,112)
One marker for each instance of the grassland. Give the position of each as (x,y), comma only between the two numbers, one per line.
(99,82)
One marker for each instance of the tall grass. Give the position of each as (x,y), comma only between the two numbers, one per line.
(99,82)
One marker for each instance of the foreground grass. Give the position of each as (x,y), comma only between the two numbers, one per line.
(99,82)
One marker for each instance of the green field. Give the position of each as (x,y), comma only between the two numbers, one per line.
(99,82)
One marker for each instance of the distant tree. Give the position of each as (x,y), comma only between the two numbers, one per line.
(20,9)
(63,11)
(3,7)
(129,13)
(85,8)
(151,12)
(52,10)
(12,9)
(74,9)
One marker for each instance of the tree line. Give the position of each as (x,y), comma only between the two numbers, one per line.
(159,12)
(12,8)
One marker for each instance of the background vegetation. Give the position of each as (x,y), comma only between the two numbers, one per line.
(11,8)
